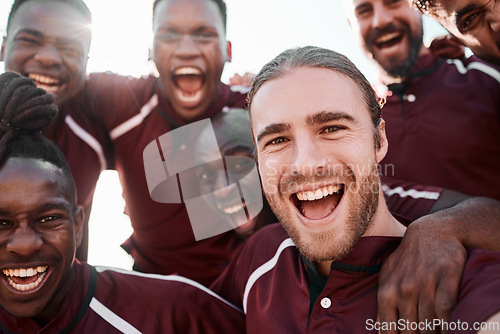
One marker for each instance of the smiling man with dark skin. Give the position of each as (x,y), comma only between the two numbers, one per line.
(189,50)
(475,23)
(49,41)
(43,289)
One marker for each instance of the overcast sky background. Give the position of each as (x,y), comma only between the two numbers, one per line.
(258,29)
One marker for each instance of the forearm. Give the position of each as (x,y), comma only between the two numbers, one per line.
(474,221)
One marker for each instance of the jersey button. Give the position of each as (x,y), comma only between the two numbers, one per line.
(326,302)
(411,98)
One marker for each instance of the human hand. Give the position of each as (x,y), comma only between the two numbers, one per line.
(447,46)
(244,80)
(421,279)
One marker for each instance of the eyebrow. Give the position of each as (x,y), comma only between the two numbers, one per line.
(316,119)
(464,11)
(329,116)
(273,129)
(59,40)
(43,208)
(31,32)
(62,205)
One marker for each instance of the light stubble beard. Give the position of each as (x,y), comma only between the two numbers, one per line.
(364,196)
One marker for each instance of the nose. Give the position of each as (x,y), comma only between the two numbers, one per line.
(24,241)
(221,187)
(187,47)
(493,17)
(48,55)
(381,17)
(309,160)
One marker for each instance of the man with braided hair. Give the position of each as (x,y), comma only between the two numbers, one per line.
(43,288)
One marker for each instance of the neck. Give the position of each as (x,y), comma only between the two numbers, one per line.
(382,224)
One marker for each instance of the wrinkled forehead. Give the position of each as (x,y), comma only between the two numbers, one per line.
(54,19)
(36,171)
(187,12)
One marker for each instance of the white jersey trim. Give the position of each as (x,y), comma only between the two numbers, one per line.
(174,278)
(135,120)
(475,66)
(411,192)
(113,319)
(264,269)
(87,138)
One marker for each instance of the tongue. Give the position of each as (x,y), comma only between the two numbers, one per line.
(189,84)
(24,280)
(319,208)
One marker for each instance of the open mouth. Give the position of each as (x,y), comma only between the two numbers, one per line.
(230,209)
(49,84)
(319,203)
(25,279)
(189,83)
(389,40)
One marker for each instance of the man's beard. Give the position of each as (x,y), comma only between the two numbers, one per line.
(400,69)
(326,246)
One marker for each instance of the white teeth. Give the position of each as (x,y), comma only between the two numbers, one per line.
(387,37)
(43,79)
(187,71)
(233,209)
(29,272)
(318,193)
(27,287)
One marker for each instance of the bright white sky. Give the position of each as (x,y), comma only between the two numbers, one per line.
(258,30)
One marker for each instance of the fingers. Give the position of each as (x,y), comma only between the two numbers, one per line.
(418,284)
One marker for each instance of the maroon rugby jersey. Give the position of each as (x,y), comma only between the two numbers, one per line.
(86,146)
(281,292)
(106,300)
(163,241)
(443,126)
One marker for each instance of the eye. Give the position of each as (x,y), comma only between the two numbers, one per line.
(5,223)
(48,219)
(467,23)
(332,128)
(204,36)
(170,36)
(277,141)
(27,40)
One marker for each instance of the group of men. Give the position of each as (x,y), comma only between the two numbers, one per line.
(319,135)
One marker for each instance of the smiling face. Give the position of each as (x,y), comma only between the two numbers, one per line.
(318,159)
(390,32)
(40,228)
(476,23)
(189,52)
(49,42)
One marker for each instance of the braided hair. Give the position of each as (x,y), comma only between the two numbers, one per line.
(25,111)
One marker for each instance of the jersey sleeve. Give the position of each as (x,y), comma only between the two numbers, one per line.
(115,98)
(479,297)
(409,199)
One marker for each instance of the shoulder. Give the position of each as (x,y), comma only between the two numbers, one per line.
(262,253)
(473,66)
(173,303)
